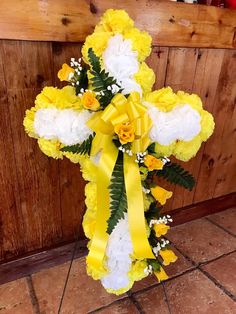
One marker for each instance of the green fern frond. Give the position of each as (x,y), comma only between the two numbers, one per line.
(101,80)
(118,204)
(175,174)
(83,148)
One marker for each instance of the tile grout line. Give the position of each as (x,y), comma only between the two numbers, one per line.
(33,296)
(220,286)
(108,305)
(68,273)
(211,278)
(166,297)
(136,302)
(221,227)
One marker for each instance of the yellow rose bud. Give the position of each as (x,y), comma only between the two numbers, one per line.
(125,132)
(160,194)
(161,229)
(89,101)
(168,256)
(161,275)
(64,73)
(153,163)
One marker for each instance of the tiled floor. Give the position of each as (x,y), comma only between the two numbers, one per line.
(203,280)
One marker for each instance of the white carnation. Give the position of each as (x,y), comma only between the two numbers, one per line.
(182,123)
(122,63)
(66,125)
(119,249)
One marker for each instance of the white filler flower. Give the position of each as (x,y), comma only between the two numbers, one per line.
(119,249)
(182,123)
(122,63)
(66,125)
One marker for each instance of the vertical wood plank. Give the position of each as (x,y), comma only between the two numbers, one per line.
(180,76)
(158,62)
(11,231)
(214,169)
(205,85)
(37,174)
(71,181)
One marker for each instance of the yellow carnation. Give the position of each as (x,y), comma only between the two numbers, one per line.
(89,101)
(168,256)
(95,272)
(207,125)
(187,150)
(162,150)
(115,21)
(98,42)
(75,158)
(64,98)
(50,148)
(165,99)
(29,122)
(160,229)
(161,275)
(137,270)
(160,194)
(65,72)
(141,42)
(152,163)
(145,77)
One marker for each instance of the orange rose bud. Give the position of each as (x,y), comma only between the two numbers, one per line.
(89,101)
(153,163)
(160,194)
(65,72)
(125,132)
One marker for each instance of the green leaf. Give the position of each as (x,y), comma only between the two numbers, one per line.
(175,174)
(83,148)
(153,211)
(101,80)
(118,204)
(82,79)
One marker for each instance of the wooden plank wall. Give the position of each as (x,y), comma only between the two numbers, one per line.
(42,200)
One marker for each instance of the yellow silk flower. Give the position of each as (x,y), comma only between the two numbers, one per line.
(125,132)
(89,101)
(153,163)
(65,72)
(161,275)
(168,256)
(160,194)
(160,229)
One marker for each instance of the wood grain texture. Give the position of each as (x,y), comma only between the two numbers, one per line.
(42,200)
(169,23)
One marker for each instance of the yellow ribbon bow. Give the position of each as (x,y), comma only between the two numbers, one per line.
(120,110)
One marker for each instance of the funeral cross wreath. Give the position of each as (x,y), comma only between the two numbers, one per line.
(121,133)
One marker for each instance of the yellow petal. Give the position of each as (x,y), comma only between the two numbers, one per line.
(160,229)
(161,275)
(160,194)
(64,72)
(168,256)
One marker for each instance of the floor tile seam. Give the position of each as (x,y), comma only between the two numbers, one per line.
(197,264)
(218,284)
(136,302)
(126,297)
(166,297)
(219,226)
(76,244)
(167,280)
(33,296)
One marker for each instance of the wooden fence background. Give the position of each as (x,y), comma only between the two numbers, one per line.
(41,199)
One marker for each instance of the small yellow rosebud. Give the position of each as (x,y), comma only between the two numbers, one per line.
(64,72)
(89,101)
(161,275)
(153,163)
(161,229)
(168,257)
(125,132)
(160,194)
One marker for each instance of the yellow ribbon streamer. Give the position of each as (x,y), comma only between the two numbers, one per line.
(120,110)
(136,217)
(105,168)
